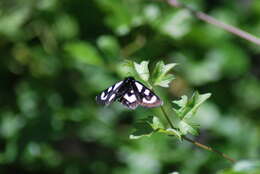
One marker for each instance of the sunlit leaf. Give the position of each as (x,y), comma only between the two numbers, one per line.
(155,123)
(185,128)
(160,76)
(137,70)
(188,107)
(171,131)
(142,70)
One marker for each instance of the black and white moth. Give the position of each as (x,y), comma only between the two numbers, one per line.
(131,93)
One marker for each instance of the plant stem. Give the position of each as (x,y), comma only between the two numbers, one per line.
(167,118)
(195,142)
(209,19)
(209,149)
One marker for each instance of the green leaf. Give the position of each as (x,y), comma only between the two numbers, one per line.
(171,131)
(160,76)
(142,70)
(128,68)
(156,124)
(182,102)
(189,107)
(186,127)
(146,127)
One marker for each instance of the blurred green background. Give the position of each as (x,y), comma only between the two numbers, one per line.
(57,55)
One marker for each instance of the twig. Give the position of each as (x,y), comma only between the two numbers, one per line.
(209,149)
(167,118)
(209,19)
(197,143)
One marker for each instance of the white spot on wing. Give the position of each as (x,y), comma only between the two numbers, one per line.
(112,97)
(139,86)
(152,100)
(103,96)
(132,91)
(117,84)
(109,89)
(146,92)
(131,98)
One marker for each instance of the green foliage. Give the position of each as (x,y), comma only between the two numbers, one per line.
(160,76)
(187,107)
(142,70)
(57,55)
(187,110)
(151,125)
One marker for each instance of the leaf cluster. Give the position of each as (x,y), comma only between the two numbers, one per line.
(186,107)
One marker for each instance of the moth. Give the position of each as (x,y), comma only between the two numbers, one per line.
(131,93)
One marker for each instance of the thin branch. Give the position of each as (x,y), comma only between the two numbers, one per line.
(209,149)
(197,143)
(167,118)
(209,19)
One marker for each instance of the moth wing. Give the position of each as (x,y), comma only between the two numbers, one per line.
(109,95)
(146,97)
(129,99)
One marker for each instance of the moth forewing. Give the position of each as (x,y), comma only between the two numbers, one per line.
(110,94)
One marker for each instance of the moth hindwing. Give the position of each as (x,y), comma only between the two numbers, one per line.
(130,93)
